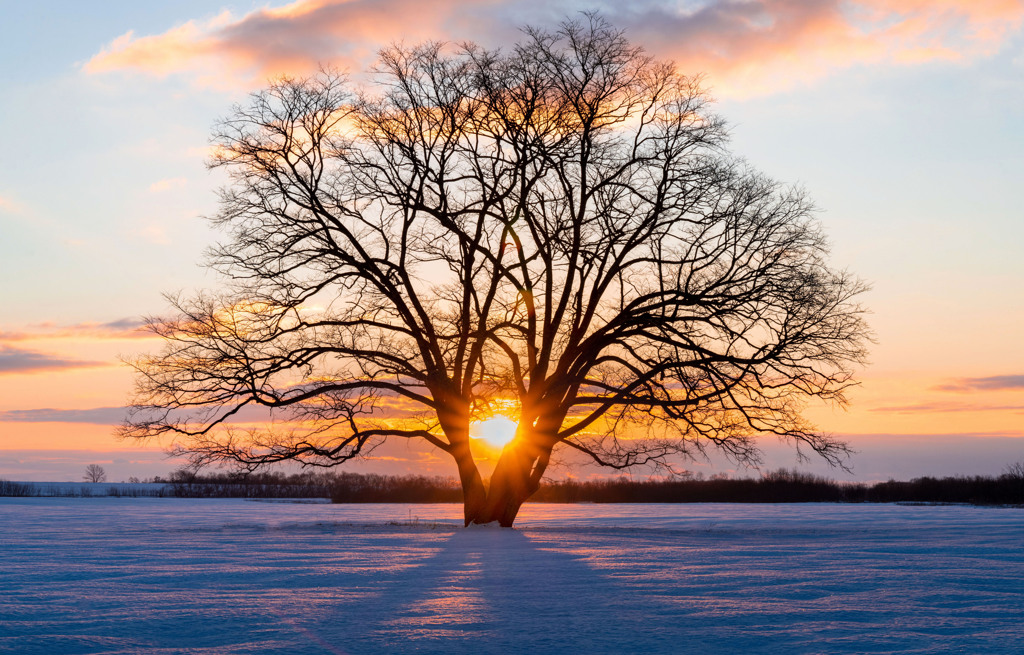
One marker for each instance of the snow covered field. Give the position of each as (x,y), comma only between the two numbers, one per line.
(150,575)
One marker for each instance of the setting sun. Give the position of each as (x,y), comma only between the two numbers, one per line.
(496,431)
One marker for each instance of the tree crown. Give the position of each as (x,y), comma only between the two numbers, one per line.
(557,229)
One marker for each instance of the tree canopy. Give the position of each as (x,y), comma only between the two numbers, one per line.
(555,232)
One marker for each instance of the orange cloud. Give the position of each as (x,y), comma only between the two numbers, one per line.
(745,46)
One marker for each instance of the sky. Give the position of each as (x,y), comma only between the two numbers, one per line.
(903,120)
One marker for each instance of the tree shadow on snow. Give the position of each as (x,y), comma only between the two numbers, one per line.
(493,591)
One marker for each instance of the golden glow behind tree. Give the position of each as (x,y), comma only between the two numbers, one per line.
(555,230)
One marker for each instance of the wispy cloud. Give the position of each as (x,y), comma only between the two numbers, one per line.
(97,416)
(991,383)
(925,437)
(929,408)
(168,184)
(123,328)
(108,415)
(19,360)
(746,46)
(250,415)
(151,233)
(9,206)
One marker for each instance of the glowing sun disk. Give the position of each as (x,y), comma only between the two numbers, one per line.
(496,431)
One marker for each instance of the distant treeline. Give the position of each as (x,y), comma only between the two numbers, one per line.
(781,486)
(784,486)
(340,487)
(81,490)
(186,484)
(16,488)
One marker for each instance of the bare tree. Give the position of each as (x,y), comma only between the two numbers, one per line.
(94,473)
(555,232)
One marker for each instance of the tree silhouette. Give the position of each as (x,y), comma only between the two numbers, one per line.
(94,473)
(556,232)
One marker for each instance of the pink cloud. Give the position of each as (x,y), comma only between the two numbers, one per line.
(745,46)
(929,408)
(19,360)
(225,51)
(96,416)
(757,46)
(124,328)
(991,383)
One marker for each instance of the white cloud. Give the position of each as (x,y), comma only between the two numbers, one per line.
(168,184)
(152,233)
(9,206)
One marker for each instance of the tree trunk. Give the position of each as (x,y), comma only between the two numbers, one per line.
(516,477)
(474,495)
(453,415)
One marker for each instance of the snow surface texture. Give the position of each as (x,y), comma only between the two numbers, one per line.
(147,575)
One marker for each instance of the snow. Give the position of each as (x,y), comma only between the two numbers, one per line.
(169,575)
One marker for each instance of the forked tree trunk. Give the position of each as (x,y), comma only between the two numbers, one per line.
(516,477)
